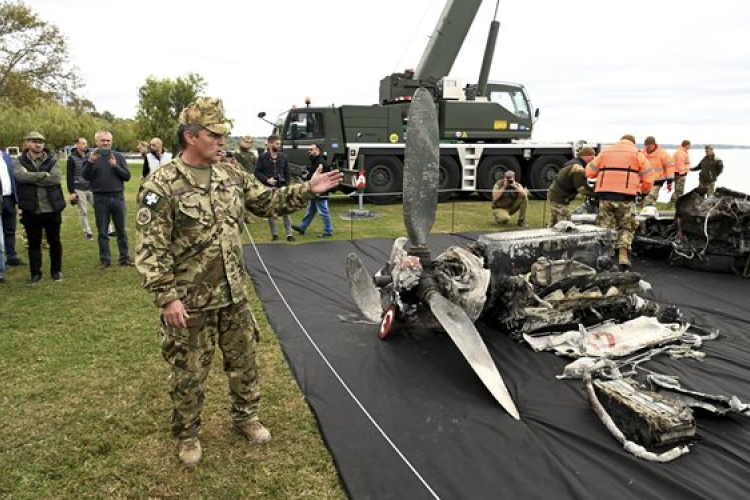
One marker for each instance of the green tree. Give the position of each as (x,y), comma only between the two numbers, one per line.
(62,125)
(33,58)
(160,102)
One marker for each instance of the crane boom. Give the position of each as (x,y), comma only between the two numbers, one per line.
(447,39)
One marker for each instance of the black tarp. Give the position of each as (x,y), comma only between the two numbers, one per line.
(427,428)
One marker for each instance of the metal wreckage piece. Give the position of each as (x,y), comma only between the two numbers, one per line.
(554,288)
(707,233)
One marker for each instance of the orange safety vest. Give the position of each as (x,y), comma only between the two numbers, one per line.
(622,169)
(662,163)
(681,161)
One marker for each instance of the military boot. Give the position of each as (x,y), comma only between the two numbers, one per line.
(189,451)
(254,431)
(624,259)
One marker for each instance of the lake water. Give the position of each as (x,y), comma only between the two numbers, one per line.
(736,174)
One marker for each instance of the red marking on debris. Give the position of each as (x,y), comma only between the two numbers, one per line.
(608,337)
(387,322)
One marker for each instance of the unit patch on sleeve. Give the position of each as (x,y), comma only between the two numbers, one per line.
(151,199)
(143,216)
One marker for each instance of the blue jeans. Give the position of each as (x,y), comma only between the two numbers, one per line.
(111,206)
(318,205)
(10,221)
(2,251)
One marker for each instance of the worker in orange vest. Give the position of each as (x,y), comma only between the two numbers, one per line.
(681,161)
(621,172)
(663,165)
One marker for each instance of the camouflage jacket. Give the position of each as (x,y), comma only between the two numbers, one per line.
(189,241)
(247,159)
(570,180)
(710,169)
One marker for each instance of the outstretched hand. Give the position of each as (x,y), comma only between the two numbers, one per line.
(322,182)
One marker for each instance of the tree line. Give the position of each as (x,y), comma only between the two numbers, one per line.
(40,90)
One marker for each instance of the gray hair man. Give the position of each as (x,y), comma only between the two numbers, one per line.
(107,171)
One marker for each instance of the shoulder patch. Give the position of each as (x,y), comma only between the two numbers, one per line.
(151,199)
(143,216)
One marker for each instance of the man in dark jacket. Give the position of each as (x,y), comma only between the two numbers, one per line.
(79,188)
(272,170)
(710,168)
(41,199)
(9,201)
(570,181)
(319,204)
(107,171)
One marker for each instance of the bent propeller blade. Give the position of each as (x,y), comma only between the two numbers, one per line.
(362,288)
(421,168)
(466,337)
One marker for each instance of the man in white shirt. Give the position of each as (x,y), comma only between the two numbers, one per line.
(156,157)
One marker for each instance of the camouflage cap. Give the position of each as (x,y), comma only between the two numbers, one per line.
(207,112)
(34,136)
(247,138)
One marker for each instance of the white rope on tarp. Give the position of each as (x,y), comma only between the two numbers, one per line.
(336,374)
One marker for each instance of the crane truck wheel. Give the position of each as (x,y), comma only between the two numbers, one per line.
(492,169)
(450,178)
(543,172)
(384,176)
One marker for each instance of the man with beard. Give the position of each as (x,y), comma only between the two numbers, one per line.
(40,197)
(272,170)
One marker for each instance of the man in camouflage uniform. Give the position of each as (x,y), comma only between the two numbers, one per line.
(245,156)
(570,181)
(189,254)
(509,197)
(621,173)
(710,168)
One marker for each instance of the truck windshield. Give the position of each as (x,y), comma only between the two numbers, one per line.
(279,126)
(512,100)
(304,125)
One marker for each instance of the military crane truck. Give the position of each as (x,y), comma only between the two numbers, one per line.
(485,128)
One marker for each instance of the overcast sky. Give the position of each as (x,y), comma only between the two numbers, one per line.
(596,69)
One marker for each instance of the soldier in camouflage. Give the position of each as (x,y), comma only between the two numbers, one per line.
(570,181)
(245,156)
(710,168)
(509,197)
(621,173)
(189,255)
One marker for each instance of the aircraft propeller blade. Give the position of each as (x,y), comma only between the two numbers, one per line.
(421,168)
(363,289)
(464,334)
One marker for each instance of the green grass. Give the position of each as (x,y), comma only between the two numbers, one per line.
(84,410)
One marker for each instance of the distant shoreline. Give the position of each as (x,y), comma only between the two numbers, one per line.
(697,145)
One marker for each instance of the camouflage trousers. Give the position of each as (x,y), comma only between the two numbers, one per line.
(620,216)
(189,351)
(558,212)
(709,186)
(653,196)
(679,189)
(502,215)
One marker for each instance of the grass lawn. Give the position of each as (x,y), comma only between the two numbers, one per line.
(84,409)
